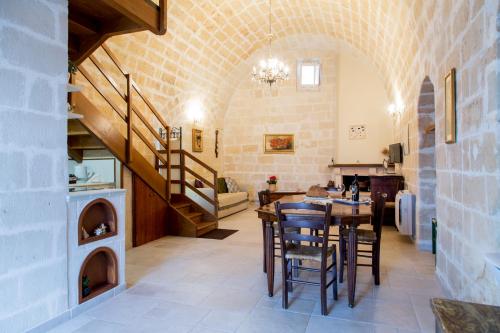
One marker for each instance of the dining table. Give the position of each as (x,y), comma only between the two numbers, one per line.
(346,215)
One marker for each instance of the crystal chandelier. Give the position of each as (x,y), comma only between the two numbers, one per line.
(271,70)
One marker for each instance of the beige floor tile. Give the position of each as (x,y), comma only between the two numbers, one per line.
(180,284)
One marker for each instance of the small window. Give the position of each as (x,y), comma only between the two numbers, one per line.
(308,72)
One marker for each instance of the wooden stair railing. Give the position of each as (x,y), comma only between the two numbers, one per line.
(92,22)
(133,116)
(205,168)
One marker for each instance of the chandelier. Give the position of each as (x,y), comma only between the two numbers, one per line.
(271,70)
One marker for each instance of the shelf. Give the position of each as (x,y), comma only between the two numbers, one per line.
(96,291)
(73,88)
(72,115)
(96,238)
(355,165)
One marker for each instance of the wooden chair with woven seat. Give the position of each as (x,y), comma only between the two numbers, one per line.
(265,199)
(370,238)
(316,218)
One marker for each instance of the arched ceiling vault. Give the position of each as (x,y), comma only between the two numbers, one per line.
(208,39)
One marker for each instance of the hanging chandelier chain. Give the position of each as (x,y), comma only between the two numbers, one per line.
(271,70)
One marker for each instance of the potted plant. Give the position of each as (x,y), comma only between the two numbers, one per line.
(272,181)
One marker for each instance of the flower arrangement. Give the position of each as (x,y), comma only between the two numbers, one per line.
(272,180)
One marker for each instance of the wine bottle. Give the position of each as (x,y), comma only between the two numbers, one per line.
(355,189)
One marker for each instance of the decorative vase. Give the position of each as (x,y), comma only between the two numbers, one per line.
(272,187)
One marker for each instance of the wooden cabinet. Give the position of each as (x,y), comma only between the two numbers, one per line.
(150,214)
(280,194)
(389,184)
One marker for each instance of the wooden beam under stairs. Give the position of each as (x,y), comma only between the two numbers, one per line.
(97,123)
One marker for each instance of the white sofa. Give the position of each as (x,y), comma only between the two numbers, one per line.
(229,203)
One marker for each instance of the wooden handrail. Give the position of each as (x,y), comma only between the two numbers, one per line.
(203,195)
(129,120)
(151,107)
(114,59)
(100,67)
(94,84)
(150,128)
(203,164)
(203,179)
(149,145)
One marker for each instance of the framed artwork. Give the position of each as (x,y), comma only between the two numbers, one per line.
(450,107)
(279,143)
(357,132)
(197,137)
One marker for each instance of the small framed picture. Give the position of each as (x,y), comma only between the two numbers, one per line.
(279,143)
(450,107)
(197,137)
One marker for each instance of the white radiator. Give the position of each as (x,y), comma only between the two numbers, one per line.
(405,213)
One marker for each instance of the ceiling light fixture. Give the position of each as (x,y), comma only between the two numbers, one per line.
(271,70)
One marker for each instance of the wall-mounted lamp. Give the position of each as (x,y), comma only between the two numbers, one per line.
(195,111)
(396,110)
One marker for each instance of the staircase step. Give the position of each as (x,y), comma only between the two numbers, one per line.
(195,216)
(204,227)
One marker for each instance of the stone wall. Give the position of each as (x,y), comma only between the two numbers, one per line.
(462,35)
(407,41)
(312,116)
(33,162)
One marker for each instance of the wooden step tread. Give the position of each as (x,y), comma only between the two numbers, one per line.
(203,225)
(192,215)
(181,204)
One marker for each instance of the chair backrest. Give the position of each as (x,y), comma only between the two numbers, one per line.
(378,213)
(305,216)
(264,197)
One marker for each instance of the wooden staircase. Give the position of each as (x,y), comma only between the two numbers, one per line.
(118,115)
(91,22)
(189,218)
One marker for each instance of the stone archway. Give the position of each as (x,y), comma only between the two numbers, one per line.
(426,198)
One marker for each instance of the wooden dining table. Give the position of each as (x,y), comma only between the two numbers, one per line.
(349,216)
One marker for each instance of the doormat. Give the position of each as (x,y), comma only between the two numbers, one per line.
(219,234)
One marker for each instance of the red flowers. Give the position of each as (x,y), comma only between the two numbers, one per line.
(272,180)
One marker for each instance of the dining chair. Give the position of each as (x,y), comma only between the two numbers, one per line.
(370,238)
(265,199)
(316,218)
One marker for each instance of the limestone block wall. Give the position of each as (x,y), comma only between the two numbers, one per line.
(310,115)
(464,35)
(315,117)
(33,162)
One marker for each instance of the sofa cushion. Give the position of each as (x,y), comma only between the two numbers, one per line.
(228,199)
(232,186)
(221,185)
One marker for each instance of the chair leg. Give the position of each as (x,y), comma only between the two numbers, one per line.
(324,311)
(290,274)
(376,263)
(342,249)
(284,274)
(334,269)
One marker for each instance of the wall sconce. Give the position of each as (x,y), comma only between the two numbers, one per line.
(396,110)
(195,111)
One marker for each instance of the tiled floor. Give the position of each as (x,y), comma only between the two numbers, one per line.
(201,285)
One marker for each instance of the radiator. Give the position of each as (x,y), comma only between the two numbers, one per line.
(405,213)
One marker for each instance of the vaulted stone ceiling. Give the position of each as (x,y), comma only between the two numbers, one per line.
(207,40)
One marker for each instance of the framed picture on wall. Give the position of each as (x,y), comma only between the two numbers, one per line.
(279,143)
(450,107)
(197,138)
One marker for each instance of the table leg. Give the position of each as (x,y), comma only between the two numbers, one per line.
(351,262)
(270,257)
(264,244)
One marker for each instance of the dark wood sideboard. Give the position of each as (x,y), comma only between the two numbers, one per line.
(280,194)
(389,184)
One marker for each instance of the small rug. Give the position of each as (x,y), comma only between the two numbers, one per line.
(219,234)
